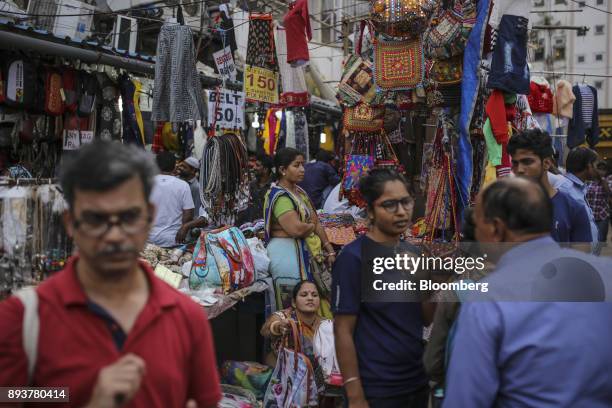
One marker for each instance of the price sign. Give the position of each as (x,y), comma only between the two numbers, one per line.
(229,113)
(225,63)
(74,139)
(261,84)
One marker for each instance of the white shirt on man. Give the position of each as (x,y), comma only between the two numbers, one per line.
(170,196)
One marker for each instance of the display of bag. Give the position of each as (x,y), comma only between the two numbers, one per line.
(54,105)
(447,72)
(398,18)
(87,90)
(222,260)
(249,375)
(355,167)
(449,30)
(363,118)
(398,65)
(21,84)
(2,84)
(293,383)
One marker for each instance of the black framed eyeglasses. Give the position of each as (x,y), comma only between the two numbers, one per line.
(391,206)
(96,225)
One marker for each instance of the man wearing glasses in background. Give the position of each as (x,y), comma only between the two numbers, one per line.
(109,330)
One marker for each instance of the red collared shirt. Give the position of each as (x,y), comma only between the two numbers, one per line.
(171,334)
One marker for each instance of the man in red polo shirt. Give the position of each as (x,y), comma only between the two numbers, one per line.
(110,331)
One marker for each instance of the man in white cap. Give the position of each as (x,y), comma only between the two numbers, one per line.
(188,171)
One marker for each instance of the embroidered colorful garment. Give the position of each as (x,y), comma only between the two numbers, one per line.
(356,166)
(398,64)
(271,132)
(260,49)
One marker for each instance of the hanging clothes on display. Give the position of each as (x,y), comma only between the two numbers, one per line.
(540,97)
(509,69)
(109,117)
(294,92)
(271,132)
(563,101)
(261,50)
(177,95)
(290,133)
(297,24)
(500,109)
(146,106)
(302,143)
(131,128)
(585,122)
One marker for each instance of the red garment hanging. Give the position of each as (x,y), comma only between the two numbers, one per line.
(297,26)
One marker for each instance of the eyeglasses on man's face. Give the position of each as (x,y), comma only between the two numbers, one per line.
(97,224)
(392,206)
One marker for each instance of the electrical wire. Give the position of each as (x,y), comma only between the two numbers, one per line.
(591,7)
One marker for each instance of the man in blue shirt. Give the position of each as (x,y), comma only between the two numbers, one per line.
(526,353)
(320,177)
(532,153)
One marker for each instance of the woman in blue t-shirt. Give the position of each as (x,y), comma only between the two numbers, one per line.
(379,345)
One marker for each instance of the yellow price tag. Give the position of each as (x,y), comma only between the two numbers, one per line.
(261,84)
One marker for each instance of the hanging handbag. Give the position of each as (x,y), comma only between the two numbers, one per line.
(86,94)
(356,166)
(399,65)
(69,83)
(449,30)
(398,18)
(293,382)
(21,84)
(363,118)
(447,72)
(222,260)
(54,105)
(356,84)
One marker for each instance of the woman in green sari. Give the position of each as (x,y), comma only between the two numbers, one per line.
(297,244)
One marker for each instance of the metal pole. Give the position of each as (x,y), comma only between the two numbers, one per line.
(20,42)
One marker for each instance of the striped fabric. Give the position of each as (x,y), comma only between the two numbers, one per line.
(588,102)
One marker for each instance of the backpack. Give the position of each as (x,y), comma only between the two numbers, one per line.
(21,84)
(87,91)
(54,105)
(31,326)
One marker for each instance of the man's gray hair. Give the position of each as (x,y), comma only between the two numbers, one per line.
(103,165)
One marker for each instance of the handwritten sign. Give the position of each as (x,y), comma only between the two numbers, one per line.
(225,63)
(261,84)
(73,139)
(229,114)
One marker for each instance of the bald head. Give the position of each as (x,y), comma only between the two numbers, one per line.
(515,204)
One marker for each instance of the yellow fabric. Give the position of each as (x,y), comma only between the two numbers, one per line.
(270,147)
(169,138)
(137,90)
(490,175)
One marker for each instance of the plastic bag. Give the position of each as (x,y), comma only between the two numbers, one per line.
(260,257)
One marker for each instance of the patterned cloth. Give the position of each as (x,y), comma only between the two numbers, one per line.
(300,126)
(597,199)
(260,49)
(295,92)
(587,105)
(109,117)
(131,129)
(177,95)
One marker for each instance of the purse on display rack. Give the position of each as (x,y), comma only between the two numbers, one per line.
(222,260)
(398,18)
(449,30)
(363,118)
(398,65)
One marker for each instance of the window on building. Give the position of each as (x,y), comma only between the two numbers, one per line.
(540,51)
(581,3)
(600,2)
(598,84)
(581,58)
(598,57)
(599,30)
(559,53)
(538,3)
(560,2)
